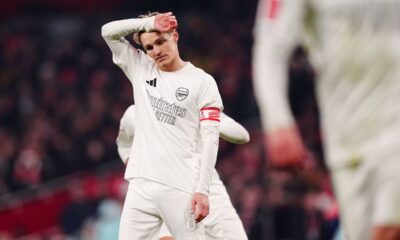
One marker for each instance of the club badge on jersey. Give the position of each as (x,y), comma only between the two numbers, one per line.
(210,113)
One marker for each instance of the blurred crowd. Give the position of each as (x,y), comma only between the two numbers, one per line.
(61,99)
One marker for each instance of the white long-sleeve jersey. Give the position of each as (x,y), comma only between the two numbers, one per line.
(355,48)
(173,110)
(230,130)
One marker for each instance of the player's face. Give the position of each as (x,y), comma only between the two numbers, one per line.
(162,47)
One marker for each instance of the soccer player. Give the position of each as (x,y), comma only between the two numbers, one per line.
(177,107)
(223,221)
(355,49)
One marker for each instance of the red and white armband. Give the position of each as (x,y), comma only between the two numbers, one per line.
(210,113)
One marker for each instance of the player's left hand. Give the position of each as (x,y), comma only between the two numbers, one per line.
(200,206)
(165,22)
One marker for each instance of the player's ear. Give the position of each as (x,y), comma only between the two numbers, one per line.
(175,35)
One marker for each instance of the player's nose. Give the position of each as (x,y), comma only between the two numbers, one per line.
(157,50)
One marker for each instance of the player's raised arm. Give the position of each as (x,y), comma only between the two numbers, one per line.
(232,131)
(114,33)
(276,33)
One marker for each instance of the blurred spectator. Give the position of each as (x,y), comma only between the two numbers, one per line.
(106,225)
(83,206)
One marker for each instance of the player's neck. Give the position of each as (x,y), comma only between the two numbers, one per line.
(175,65)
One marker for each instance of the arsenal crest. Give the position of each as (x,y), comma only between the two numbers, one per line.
(181,93)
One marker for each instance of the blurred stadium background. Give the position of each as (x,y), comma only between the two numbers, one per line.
(61,99)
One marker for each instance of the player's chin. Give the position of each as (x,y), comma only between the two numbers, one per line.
(163,61)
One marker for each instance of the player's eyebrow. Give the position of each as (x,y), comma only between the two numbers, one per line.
(159,40)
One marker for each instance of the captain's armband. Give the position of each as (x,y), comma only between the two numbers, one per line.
(210,113)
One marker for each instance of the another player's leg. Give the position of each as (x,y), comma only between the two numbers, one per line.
(369,197)
(223,222)
(226,225)
(386,220)
(352,189)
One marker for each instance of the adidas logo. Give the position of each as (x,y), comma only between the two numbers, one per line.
(152,82)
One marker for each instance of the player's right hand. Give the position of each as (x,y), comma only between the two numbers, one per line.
(200,206)
(285,148)
(165,22)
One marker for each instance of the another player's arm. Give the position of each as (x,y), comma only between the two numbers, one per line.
(126,134)
(232,131)
(124,144)
(278,26)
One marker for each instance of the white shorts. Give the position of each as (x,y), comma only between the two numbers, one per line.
(369,195)
(222,223)
(148,204)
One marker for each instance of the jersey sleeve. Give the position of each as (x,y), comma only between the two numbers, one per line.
(124,55)
(210,107)
(210,102)
(126,134)
(276,34)
(232,131)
